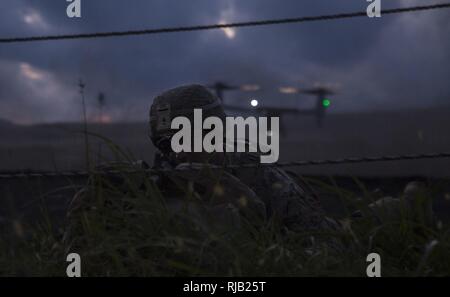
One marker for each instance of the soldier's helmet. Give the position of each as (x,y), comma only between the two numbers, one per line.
(180,101)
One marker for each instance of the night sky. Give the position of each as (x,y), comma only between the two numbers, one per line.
(396,62)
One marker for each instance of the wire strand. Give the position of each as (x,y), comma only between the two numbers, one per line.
(219,26)
(234,166)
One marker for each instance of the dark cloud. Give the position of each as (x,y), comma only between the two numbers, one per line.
(394,62)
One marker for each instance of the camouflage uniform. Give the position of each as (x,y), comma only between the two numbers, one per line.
(282,197)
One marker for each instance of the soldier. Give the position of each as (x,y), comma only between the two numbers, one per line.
(283,199)
(217,196)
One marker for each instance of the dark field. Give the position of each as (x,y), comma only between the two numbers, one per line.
(33,210)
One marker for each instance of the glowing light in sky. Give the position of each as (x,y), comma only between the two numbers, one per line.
(227,15)
(254,102)
(230,33)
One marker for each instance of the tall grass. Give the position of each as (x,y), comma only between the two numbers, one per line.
(128,226)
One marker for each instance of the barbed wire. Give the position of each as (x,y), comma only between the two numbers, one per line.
(191,167)
(221,26)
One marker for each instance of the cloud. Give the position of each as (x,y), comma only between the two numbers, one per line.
(395,62)
(35,20)
(33,94)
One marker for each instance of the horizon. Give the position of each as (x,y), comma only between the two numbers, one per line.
(92,120)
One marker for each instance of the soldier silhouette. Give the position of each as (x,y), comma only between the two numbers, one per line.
(228,195)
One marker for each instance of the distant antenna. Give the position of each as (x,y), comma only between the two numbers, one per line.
(101,103)
(81,85)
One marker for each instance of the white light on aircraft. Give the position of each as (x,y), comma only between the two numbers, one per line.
(254,102)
